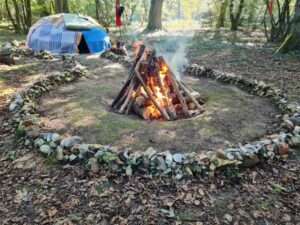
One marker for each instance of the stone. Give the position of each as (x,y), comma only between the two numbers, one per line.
(21,131)
(288,124)
(220,154)
(83,148)
(283,148)
(296,140)
(18,101)
(45,149)
(150,152)
(71,141)
(250,161)
(55,137)
(27,123)
(189,171)
(228,217)
(94,165)
(128,170)
(27,142)
(230,156)
(59,153)
(161,163)
(38,142)
(296,130)
(33,132)
(295,120)
(178,158)
(72,157)
(179,175)
(169,159)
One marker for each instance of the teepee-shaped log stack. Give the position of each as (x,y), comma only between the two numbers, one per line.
(153,92)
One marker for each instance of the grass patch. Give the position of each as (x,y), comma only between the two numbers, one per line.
(3,80)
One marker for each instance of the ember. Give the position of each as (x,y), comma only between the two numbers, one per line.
(153,92)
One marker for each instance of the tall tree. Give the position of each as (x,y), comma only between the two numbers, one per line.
(235,15)
(154,20)
(292,41)
(222,13)
(61,6)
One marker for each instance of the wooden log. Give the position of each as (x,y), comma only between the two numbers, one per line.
(142,112)
(121,93)
(171,113)
(186,91)
(162,112)
(137,91)
(129,96)
(172,80)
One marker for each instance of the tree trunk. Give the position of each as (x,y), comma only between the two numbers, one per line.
(235,19)
(97,10)
(154,21)
(252,11)
(58,6)
(65,6)
(28,14)
(16,26)
(221,17)
(292,41)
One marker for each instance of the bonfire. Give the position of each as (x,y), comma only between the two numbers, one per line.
(153,92)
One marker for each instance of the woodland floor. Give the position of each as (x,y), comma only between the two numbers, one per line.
(34,190)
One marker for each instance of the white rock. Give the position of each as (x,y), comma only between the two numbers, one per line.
(71,141)
(45,149)
(59,153)
(169,159)
(178,158)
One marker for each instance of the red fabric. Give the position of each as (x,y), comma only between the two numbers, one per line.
(271,7)
(118,18)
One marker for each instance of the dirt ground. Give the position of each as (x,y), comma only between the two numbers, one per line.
(82,108)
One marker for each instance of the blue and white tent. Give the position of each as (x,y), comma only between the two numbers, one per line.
(68,33)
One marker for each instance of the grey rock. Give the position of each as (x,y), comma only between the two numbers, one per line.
(296,130)
(38,142)
(59,153)
(288,124)
(150,152)
(178,158)
(52,144)
(72,157)
(45,149)
(94,165)
(55,137)
(83,148)
(230,156)
(179,176)
(295,119)
(71,141)
(98,154)
(18,101)
(27,142)
(167,171)
(169,159)
(296,140)
(161,163)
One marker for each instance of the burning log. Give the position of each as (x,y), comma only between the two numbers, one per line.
(153,92)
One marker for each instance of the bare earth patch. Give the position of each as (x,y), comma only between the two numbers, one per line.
(82,108)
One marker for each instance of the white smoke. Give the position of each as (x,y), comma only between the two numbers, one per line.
(174,49)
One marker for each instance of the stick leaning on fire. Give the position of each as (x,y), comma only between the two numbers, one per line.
(152,90)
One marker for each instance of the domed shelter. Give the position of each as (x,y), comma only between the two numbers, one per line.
(68,33)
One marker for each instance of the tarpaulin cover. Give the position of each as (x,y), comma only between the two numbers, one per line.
(75,22)
(92,38)
(45,36)
(57,38)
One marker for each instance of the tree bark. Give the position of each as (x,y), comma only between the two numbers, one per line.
(154,20)
(292,41)
(235,19)
(15,24)
(221,17)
